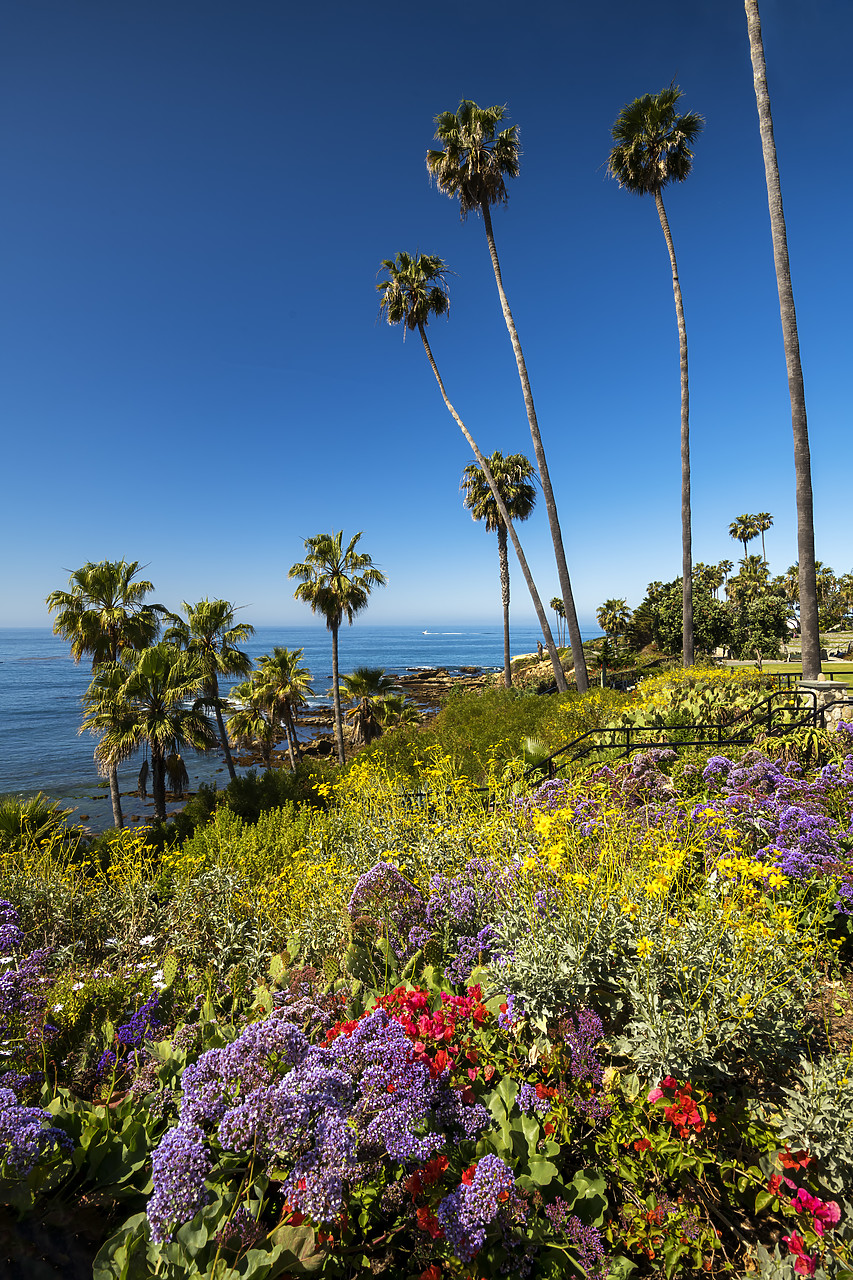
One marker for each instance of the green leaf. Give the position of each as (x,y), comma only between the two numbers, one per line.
(299,1244)
(762,1200)
(542,1171)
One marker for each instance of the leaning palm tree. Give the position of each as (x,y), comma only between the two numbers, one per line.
(284,686)
(654,148)
(744,529)
(336,582)
(211,632)
(151,698)
(366,688)
(472,166)
(251,724)
(809,620)
(416,289)
(513,476)
(102,614)
(395,710)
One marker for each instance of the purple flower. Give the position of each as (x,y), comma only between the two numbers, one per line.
(23,1136)
(467,1211)
(384,894)
(11,934)
(180,1164)
(529,1102)
(587,1241)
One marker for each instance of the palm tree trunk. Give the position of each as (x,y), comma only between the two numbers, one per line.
(220,723)
(158,783)
(292,738)
(504,567)
(809,619)
(578,658)
(288,730)
(686,530)
(115,797)
(559,674)
(339,719)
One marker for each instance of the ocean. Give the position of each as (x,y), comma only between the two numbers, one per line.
(41,688)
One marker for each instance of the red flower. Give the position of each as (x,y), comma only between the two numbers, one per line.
(774,1182)
(642,1144)
(805,1264)
(794,1159)
(427,1221)
(549,1128)
(468,1175)
(431,1273)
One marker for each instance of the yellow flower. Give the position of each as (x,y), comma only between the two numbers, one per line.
(644,946)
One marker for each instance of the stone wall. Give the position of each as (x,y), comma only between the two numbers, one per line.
(828,692)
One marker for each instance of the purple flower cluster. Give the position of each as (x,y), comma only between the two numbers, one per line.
(513,1013)
(467,1211)
(803,827)
(471,951)
(22,997)
(180,1165)
(587,1241)
(145,1022)
(328,1112)
(384,894)
(23,1136)
(529,1102)
(11,934)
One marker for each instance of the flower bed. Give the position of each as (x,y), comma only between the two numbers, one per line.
(601,1030)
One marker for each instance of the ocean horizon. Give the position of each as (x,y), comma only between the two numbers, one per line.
(41,688)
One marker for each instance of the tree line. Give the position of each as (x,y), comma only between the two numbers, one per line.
(155,674)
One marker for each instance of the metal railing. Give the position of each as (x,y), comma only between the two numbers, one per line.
(771,718)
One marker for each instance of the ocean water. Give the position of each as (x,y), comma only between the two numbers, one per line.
(41,687)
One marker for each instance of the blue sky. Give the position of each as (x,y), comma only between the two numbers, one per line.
(198,195)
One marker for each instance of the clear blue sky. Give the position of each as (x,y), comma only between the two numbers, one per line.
(197,198)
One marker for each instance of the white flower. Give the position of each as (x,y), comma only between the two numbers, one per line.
(57,1007)
(148,940)
(158,976)
(111,942)
(78,986)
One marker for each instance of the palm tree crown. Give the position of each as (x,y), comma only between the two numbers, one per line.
(475,159)
(104,611)
(284,686)
(416,289)
(653,143)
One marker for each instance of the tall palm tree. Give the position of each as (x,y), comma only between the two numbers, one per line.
(211,633)
(284,686)
(744,529)
(472,166)
(560,610)
(416,289)
(809,620)
(725,567)
(763,522)
(102,614)
(336,582)
(654,148)
(513,476)
(143,701)
(366,688)
(251,723)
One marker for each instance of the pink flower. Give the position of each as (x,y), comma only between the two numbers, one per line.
(805,1264)
(655,1095)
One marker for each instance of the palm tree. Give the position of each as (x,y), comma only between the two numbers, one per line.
(560,610)
(809,620)
(102,614)
(395,710)
(512,476)
(142,701)
(653,148)
(743,529)
(210,632)
(613,617)
(251,724)
(416,289)
(284,686)
(763,522)
(337,583)
(725,567)
(367,688)
(472,166)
